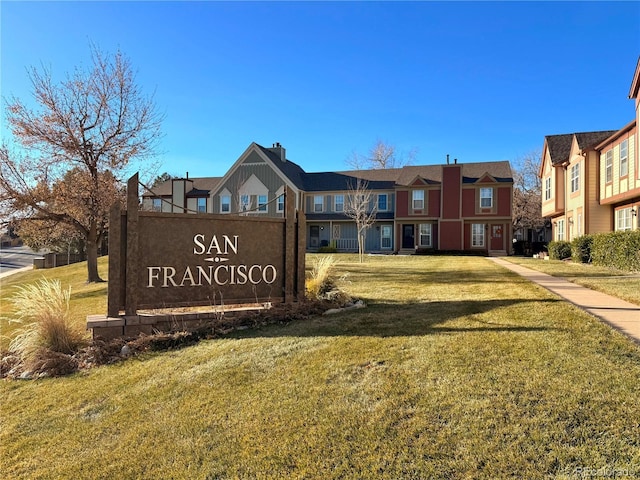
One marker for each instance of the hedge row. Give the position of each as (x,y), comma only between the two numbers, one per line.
(619,250)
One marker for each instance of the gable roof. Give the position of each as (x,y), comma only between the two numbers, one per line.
(559,146)
(291,170)
(500,171)
(589,140)
(432,174)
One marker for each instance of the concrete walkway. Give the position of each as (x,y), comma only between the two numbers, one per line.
(16,270)
(621,315)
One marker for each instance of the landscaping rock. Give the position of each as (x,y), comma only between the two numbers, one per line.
(348,306)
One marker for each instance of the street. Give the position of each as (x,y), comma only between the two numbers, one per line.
(13,258)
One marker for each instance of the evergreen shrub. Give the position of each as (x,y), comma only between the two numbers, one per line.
(581,249)
(559,250)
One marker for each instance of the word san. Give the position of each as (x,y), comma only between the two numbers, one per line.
(214,245)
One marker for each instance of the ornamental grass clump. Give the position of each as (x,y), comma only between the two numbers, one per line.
(321,278)
(43,308)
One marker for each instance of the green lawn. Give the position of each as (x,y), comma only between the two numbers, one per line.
(620,284)
(457,369)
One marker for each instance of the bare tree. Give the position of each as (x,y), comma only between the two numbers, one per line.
(381,155)
(243,199)
(527,193)
(94,122)
(359,206)
(356,161)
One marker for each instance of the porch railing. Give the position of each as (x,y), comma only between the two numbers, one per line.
(346,243)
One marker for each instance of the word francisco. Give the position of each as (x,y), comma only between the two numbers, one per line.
(220,274)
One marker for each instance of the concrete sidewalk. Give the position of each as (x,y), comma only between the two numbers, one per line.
(15,270)
(621,315)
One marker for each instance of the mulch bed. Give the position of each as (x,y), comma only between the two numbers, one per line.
(51,364)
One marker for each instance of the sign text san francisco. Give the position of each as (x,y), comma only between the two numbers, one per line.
(220,274)
(211,275)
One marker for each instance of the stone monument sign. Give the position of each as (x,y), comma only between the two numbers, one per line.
(174,260)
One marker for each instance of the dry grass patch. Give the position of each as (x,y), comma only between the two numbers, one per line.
(320,279)
(43,311)
(85,299)
(46,337)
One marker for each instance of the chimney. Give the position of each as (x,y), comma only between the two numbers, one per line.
(447,159)
(279,150)
(455,161)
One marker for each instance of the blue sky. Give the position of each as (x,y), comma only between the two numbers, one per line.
(480,81)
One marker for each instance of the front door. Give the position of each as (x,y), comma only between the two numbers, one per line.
(497,237)
(314,236)
(408,236)
(385,237)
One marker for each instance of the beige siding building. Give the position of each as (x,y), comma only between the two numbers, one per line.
(570,196)
(620,178)
(591,180)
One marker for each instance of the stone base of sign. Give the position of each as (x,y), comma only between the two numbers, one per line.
(104,327)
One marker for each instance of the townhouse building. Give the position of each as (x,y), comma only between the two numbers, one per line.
(451,207)
(591,180)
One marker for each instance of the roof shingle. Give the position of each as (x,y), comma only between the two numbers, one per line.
(378,179)
(560,145)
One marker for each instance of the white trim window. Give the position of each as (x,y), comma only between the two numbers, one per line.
(202,204)
(156,204)
(477,234)
(383,202)
(338,203)
(280,203)
(418,199)
(424,230)
(624,158)
(262,203)
(608,166)
(225,203)
(486,197)
(560,231)
(386,232)
(623,219)
(547,188)
(575,178)
(318,203)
